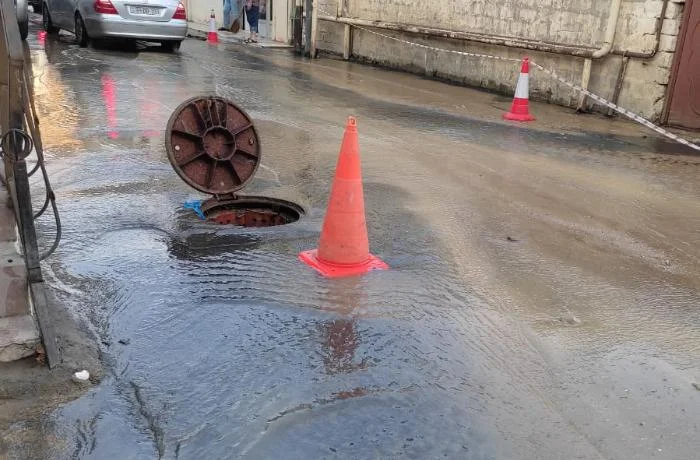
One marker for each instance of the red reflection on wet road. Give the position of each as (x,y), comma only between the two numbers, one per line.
(109,98)
(340,345)
(149,109)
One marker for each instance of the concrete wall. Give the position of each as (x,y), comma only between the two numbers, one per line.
(568,22)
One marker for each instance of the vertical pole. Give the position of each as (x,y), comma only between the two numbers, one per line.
(587,64)
(347,31)
(618,84)
(298,28)
(308,6)
(314,28)
(347,42)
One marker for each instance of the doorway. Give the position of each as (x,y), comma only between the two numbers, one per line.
(265,23)
(274,22)
(683,106)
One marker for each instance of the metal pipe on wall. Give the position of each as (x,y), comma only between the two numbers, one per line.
(608,40)
(608,43)
(610,30)
(659,28)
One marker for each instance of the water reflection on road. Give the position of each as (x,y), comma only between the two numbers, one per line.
(542,302)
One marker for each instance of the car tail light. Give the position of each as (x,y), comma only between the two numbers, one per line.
(180,12)
(105,7)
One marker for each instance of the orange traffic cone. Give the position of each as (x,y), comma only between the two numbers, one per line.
(213,36)
(344,248)
(520,111)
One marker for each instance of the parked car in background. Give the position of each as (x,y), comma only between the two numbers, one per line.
(22,9)
(163,21)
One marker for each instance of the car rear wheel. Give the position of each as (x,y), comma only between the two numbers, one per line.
(22,12)
(171,46)
(81,34)
(24,29)
(48,23)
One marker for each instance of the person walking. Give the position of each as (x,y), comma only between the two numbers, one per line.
(232,12)
(252,12)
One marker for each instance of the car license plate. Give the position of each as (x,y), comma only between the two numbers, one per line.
(144,11)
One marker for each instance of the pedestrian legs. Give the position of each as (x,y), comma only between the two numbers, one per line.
(228,9)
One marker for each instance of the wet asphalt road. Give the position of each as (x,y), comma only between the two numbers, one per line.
(544,299)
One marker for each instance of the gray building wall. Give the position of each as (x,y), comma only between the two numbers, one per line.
(569,22)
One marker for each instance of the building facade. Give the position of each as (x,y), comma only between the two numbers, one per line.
(275,23)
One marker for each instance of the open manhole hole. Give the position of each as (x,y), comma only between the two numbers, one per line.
(252,212)
(213,146)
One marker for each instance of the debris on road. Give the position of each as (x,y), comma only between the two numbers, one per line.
(81,376)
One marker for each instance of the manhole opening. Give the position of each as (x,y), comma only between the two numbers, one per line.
(252,212)
(214,147)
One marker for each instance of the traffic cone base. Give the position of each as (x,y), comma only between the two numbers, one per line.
(331,270)
(519,111)
(343,249)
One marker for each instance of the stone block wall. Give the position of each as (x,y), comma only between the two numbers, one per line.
(578,23)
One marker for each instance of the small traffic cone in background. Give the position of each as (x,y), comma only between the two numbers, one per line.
(344,247)
(213,36)
(520,111)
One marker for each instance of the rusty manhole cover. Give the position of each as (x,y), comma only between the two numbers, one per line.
(212,145)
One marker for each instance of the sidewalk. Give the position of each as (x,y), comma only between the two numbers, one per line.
(198,30)
(19,336)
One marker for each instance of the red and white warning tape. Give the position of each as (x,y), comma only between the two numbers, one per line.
(629,114)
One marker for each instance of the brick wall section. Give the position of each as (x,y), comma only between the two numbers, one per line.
(570,22)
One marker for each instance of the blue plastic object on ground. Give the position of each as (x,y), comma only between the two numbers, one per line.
(196,206)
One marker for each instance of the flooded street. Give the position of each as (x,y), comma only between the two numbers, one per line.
(543,301)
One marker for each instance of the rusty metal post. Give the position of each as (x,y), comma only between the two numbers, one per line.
(308,5)
(618,84)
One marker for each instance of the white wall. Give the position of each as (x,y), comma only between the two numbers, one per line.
(199,11)
(281,18)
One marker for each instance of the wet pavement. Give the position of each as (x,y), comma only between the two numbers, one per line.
(543,302)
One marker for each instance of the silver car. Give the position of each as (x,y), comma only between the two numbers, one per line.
(163,21)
